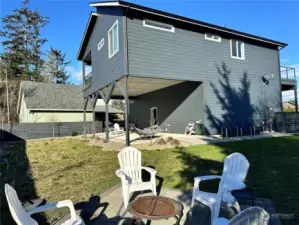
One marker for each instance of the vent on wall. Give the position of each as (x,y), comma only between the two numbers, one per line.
(158,26)
(100,44)
(212,37)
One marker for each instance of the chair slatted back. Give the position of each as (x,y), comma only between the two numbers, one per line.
(18,213)
(235,168)
(130,163)
(116,127)
(253,215)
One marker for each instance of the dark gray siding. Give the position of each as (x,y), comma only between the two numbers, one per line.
(177,105)
(105,70)
(186,55)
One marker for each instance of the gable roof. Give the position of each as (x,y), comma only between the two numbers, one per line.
(171,16)
(41,96)
(88,30)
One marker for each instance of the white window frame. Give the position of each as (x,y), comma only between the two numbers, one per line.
(172,29)
(109,43)
(212,39)
(101,44)
(242,50)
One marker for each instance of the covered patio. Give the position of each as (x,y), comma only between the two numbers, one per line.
(127,88)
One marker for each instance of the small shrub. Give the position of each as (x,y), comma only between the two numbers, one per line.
(46,143)
(74,147)
(175,142)
(161,142)
(75,133)
(169,139)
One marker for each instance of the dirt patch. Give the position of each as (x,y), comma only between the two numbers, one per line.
(117,146)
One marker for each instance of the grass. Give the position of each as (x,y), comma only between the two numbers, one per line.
(60,169)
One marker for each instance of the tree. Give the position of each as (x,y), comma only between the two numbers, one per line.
(8,95)
(22,44)
(54,69)
(118,104)
(288,109)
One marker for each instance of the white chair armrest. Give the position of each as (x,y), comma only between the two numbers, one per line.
(60,204)
(150,170)
(197,180)
(120,173)
(236,186)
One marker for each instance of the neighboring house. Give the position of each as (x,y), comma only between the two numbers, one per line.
(176,70)
(47,102)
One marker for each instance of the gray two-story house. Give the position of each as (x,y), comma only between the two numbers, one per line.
(172,70)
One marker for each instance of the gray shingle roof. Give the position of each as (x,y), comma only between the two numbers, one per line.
(58,97)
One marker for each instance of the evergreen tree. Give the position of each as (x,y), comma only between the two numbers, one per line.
(54,69)
(22,44)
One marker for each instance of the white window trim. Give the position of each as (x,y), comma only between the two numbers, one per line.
(212,39)
(243,51)
(101,44)
(111,28)
(159,28)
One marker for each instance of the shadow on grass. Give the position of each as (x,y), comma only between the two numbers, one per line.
(273,171)
(16,171)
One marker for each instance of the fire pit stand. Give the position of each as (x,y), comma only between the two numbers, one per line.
(155,208)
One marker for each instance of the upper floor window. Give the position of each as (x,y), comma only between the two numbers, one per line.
(113,43)
(158,26)
(237,49)
(212,37)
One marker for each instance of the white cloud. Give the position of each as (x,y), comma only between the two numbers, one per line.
(284,60)
(76,73)
(289,95)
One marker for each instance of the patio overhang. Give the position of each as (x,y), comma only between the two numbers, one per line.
(142,85)
(128,87)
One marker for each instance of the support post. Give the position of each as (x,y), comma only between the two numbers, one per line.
(84,115)
(127,110)
(107,120)
(94,102)
(83,74)
(296,98)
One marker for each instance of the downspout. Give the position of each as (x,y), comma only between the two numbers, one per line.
(126,58)
(281,108)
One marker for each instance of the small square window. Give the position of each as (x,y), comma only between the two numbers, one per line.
(237,49)
(113,43)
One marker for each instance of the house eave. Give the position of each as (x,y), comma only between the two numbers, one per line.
(187,20)
(88,30)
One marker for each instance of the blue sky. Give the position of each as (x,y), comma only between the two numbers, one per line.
(278,20)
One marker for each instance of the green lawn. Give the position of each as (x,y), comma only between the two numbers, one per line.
(70,169)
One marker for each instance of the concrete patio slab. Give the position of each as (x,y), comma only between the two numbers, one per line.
(118,142)
(109,209)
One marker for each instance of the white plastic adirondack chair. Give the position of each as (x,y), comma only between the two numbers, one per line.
(234,172)
(250,216)
(130,174)
(23,217)
(190,129)
(116,130)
